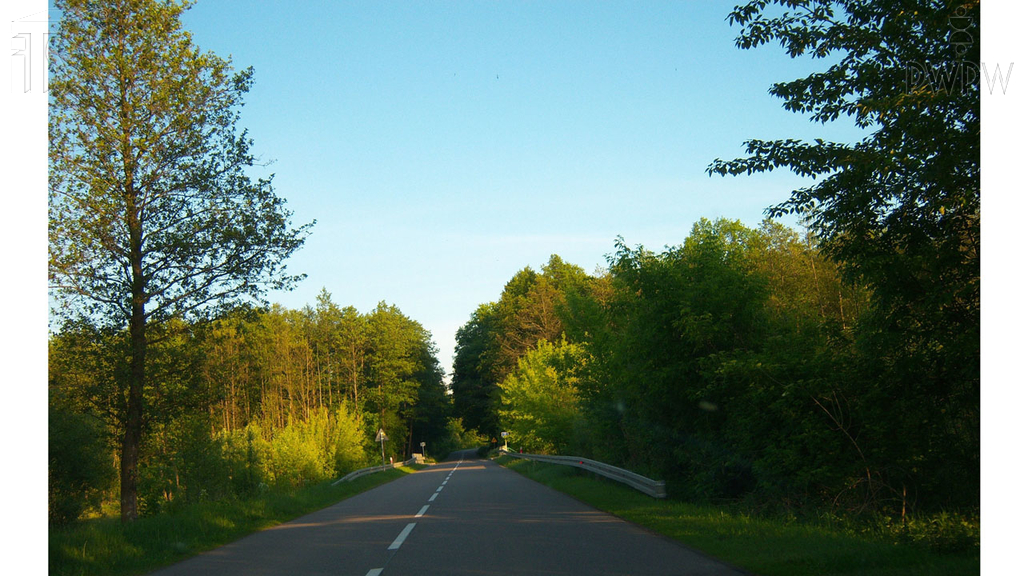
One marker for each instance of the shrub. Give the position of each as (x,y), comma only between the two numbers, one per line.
(245,453)
(349,453)
(297,457)
(80,467)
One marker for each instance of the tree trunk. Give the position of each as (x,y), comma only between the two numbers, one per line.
(408,448)
(355,382)
(137,375)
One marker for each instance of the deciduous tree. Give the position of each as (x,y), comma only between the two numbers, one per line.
(152,212)
(539,399)
(899,210)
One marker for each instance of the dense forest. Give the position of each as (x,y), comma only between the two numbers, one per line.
(255,399)
(737,365)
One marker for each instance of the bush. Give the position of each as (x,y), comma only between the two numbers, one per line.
(297,456)
(940,532)
(80,466)
(349,453)
(245,453)
(324,446)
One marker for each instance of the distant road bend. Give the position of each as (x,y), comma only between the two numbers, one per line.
(462,517)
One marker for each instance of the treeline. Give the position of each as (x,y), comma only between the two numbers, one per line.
(738,365)
(255,400)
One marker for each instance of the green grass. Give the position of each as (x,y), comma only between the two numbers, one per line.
(105,546)
(763,545)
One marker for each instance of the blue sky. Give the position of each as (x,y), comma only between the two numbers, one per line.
(442,146)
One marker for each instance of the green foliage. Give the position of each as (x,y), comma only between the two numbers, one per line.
(738,366)
(898,211)
(539,399)
(528,311)
(349,442)
(245,453)
(260,400)
(89,372)
(144,144)
(188,465)
(393,362)
(456,437)
(80,466)
(719,371)
(909,190)
(324,446)
(296,457)
(473,385)
(490,345)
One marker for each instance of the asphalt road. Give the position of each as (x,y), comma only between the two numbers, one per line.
(468,517)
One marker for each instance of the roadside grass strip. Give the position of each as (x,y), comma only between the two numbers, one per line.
(767,546)
(105,546)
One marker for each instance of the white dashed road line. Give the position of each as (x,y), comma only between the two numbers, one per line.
(408,528)
(401,537)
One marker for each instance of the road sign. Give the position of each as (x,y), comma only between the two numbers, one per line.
(422,444)
(381,437)
(504,434)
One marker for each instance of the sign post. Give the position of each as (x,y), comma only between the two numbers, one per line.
(505,436)
(423,449)
(381,437)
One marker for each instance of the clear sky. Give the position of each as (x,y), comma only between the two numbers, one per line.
(442,146)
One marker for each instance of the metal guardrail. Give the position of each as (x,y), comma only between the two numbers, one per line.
(653,488)
(364,471)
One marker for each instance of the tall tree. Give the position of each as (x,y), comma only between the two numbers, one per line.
(393,359)
(530,310)
(490,345)
(352,359)
(152,213)
(429,416)
(900,209)
(474,388)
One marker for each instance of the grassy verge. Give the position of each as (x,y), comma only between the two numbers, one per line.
(765,546)
(104,546)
